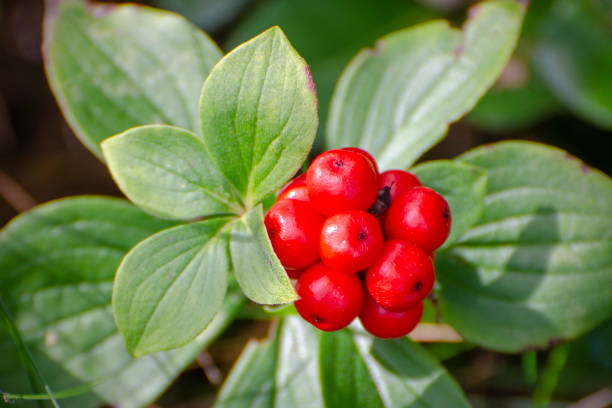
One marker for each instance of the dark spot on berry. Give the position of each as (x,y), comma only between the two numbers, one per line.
(446,213)
(317,319)
(272,232)
(338,163)
(418,286)
(362,235)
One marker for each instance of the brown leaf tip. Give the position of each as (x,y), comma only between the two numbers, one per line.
(584,168)
(310,83)
(524,3)
(99,10)
(378,48)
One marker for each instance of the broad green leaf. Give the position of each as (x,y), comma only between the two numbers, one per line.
(462,185)
(303,367)
(211,15)
(251,383)
(258,271)
(57,264)
(406,375)
(397,100)
(169,287)
(279,372)
(345,379)
(113,67)
(167,172)
(258,112)
(357,23)
(537,267)
(573,54)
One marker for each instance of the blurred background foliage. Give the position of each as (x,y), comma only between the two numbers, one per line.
(557,89)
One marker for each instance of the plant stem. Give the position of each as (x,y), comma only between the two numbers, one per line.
(550,375)
(35,376)
(530,366)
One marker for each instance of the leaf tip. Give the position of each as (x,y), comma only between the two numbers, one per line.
(524,3)
(379,46)
(309,82)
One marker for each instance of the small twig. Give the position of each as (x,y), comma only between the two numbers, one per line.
(435,333)
(211,371)
(14,194)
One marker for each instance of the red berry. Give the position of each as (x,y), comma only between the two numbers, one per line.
(294,273)
(420,215)
(402,277)
(350,241)
(294,229)
(398,181)
(364,153)
(386,324)
(329,300)
(295,189)
(340,180)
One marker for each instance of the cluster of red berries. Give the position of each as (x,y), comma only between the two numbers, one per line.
(358,242)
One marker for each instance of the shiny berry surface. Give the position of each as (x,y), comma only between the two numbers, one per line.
(402,277)
(329,300)
(420,215)
(294,229)
(385,324)
(350,241)
(295,190)
(340,180)
(398,181)
(364,153)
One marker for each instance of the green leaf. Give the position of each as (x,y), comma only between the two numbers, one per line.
(36,378)
(352,367)
(113,67)
(573,54)
(345,380)
(258,112)
(537,266)
(329,48)
(280,372)
(397,100)
(258,271)
(57,264)
(462,185)
(170,286)
(211,15)
(406,375)
(167,172)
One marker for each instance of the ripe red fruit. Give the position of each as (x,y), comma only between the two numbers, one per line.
(386,324)
(398,181)
(294,273)
(339,180)
(420,215)
(329,300)
(294,229)
(295,189)
(402,277)
(364,153)
(350,241)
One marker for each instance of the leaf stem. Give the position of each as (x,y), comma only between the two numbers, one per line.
(35,376)
(550,376)
(67,393)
